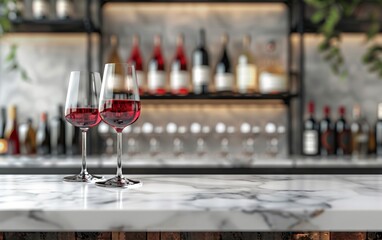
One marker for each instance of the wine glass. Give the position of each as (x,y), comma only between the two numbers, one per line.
(81,110)
(119,106)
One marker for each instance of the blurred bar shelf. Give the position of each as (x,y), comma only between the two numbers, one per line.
(194,1)
(192,165)
(284,97)
(53,26)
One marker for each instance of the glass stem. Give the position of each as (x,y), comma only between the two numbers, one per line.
(119,155)
(84,169)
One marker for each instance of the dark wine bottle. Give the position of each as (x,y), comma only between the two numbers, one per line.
(200,66)
(75,143)
(223,70)
(43,136)
(12,134)
(30,139)
(179,77)
(378,132)
(156,75)
(343,134)
(310,141)
(136,59)
(3,140)
(327,144)
(61,132)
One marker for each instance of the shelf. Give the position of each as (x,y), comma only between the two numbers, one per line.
(345,26)
(52,26)
(285,97)
(194,1)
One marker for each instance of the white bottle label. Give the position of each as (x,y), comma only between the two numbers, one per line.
(246,77)
(40,8)
(224,81)
(200,75)
(156,80)
(310,142)
(179,80)
(271,83)
(64,9)
(140,79)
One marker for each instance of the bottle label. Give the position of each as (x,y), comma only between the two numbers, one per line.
(64,8)
(271,83)
(310,142)
(156,80)
(224,81)
(3,146)
(140,78)
(40,9)
(246,77)
(327,141)
(179,80)
(200,75)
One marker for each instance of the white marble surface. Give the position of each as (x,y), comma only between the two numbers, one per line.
(194,202)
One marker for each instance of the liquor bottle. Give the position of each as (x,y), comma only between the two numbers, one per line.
(223,71)
(200,66)
(343,134)
(136,59)
(378,132)
(360,133)
(12,134)
(327,136)
(3,140)
(43,136)
(64,9)
(30,139)
(156,76)
(40,9)
(118,83)
(179,77)
(246,70)
(60,141)
(310,141)
(273,78)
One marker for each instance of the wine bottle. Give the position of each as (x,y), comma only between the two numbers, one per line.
(156,76)
(378,132)
(360,130)
(200,66)
(12,134)
(3,140)
(343,134)
(60,141)
(64,9)
(327,144)
(246,70)
(30,138)
(223,71)
(40,9)
(179,78)
(43,136)
(273,78)
(136,59)
(310,139)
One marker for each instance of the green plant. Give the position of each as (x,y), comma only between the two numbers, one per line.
(327,15)
(6,7)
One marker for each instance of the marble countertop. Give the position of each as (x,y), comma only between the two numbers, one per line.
(194,203)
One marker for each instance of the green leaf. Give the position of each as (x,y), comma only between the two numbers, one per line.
(12,54)
(331,21)
(318,16)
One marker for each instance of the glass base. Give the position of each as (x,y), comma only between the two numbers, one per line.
(82,178)
(118,182)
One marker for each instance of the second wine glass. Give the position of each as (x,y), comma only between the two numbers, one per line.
(119,107)
(81,110)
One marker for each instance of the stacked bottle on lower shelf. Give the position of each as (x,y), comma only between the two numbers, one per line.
(340,137)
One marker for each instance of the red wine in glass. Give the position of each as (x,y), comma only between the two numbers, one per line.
(119,113)
(83,117)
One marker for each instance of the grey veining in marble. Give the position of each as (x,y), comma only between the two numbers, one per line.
(194,202)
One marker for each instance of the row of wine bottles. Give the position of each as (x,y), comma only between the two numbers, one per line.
(48,138)
(341,137)
(268,77)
